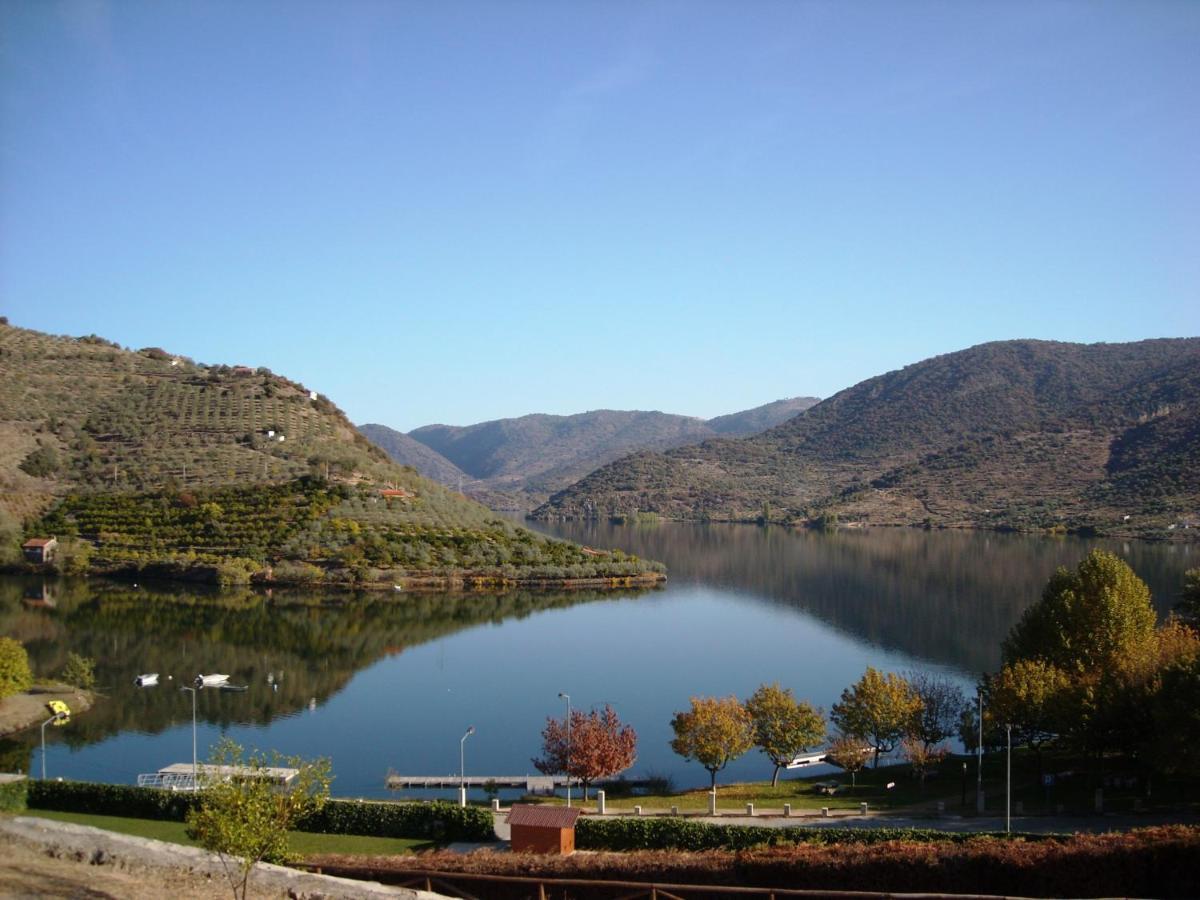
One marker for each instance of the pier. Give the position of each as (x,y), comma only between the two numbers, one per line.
(532,784)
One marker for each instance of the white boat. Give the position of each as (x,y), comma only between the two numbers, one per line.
(209,681)
(146,680)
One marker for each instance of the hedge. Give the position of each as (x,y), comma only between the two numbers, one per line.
(435,821)
(676,833)
(12,795)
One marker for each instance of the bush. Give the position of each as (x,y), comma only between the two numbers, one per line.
(79,671)
(41,463)
(15,674)
(674,833)
(434,821)
(12,796)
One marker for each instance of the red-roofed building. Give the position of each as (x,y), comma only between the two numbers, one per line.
(40,550)
(543,829)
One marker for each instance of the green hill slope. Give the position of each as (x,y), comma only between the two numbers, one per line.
(155,464)
(1018,434)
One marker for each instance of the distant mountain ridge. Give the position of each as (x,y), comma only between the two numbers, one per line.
(507,462)
(1020,434)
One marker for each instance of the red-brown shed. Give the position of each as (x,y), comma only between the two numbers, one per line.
(543,829)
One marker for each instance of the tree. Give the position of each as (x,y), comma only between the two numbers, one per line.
(1097,617)
(79,671)
(922,758)
(714,731)
(942,702)
(849,752)
(600,746)
(15,674)
(783,727)
(1034,698)
(1189,601)
(245,819)
(879,707)
(1175,746)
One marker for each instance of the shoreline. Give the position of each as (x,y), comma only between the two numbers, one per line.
(20,712)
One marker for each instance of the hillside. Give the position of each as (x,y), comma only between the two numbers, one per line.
(145,462)
(517,463)
(1014,434)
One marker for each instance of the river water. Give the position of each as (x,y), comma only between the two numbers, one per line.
(391,683)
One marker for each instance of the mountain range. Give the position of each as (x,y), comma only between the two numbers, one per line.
(517,463)
(1013,434)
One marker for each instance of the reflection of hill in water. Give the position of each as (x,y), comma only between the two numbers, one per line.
(945,596)
(310,644)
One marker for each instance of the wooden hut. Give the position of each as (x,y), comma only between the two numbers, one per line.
(543,829)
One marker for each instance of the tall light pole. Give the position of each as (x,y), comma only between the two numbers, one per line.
(192,691)
(462,767)
(54,718)
(567,697)
(1008,785)
(979,760)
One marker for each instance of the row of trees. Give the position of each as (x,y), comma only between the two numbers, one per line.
(1086,666)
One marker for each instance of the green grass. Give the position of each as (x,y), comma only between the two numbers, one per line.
(301,842)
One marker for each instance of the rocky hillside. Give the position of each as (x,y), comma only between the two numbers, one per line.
(517,463)
(1013,434)
(144,461)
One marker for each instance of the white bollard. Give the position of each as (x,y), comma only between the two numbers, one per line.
(600,802)
(862,809)
(637,810)
(462,797)
(495,804)
(712,803)
(749,809)
(674,810)
(787,810)
(825,811)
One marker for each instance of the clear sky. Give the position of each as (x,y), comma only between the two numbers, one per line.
(458,211)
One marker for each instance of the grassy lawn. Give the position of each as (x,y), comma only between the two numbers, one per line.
(301,842)
(1074,789)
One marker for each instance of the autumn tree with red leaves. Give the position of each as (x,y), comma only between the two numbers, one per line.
(600,747)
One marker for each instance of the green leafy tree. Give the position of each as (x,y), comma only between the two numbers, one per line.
(1035,698)
(1097,617)
(41,462)
(714,731)
(15,674)
(850,753)
(245,819)
(1175,744)
(79,671)
(881,708)
(783,726)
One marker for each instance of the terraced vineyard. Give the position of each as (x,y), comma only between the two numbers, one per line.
(149,463)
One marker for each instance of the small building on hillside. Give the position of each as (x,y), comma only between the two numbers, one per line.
(543,829)
(40,550)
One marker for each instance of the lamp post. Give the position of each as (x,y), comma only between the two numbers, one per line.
(462,767)
(54,718)
(1008,785)
(192,691)
(567,697)
(979,760)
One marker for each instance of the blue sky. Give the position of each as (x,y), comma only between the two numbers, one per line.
(451,212)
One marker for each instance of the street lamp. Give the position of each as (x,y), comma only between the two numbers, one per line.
(979,760)
(462,767)
(57,717)
(567,697)
(1008,785)
(192,691)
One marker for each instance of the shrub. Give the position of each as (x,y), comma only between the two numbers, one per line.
(15,674)
(41,463)
(12,795)
(79,671)
(436,821)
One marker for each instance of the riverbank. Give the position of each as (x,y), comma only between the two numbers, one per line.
(28,709)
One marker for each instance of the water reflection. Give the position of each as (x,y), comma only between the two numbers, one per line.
(947,597)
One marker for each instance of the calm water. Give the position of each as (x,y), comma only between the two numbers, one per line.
(383,683)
